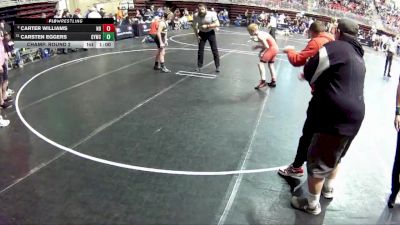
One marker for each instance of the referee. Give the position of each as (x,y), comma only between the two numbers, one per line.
(204,23)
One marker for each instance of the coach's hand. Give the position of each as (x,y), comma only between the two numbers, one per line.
(397,122)
(301,76)
(286,49)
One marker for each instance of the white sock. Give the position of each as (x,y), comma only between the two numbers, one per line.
(261,67)
(313,200)
(263,76)
(329,183)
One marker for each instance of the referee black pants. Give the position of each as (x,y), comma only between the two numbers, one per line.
(211,38)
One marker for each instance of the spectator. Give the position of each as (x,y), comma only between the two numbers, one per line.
(102,13)
(239,20)
(58,14)
(137,16)
(247,16)
(77,14)
(253,17)
(120,14)
(93,14)
(272,25)
(190,17)
(66,14)
(262,18)
(152,12)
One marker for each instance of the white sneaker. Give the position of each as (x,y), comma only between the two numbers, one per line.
(329,194)
(3,122)
(302,204)
(10,92)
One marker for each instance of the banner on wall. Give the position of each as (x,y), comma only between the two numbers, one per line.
(140,29)
(127,4)
(134,30)
(123,32)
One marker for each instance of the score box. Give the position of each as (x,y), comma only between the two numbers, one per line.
(108,36)
(108,28)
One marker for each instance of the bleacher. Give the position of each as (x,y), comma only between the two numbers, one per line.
(233,9)
(6,3)
(12,9)
(288,7)
(239,7)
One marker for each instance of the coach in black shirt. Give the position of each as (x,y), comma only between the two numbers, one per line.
(336,110)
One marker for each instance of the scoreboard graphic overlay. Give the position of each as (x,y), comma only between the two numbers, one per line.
(64,33)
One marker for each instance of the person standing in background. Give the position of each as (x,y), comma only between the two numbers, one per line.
(77,14)
(93,14)
(272,25)
(102,13)
(391,47)
(120,14)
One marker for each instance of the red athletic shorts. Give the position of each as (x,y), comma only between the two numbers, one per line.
(268,55)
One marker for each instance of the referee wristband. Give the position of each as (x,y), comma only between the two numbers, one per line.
(397,110)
